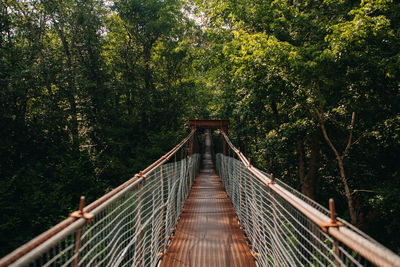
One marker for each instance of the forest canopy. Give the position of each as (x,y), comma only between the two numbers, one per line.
(93,91)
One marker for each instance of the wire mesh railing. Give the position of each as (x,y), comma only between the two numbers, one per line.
(130,226)
(285,228)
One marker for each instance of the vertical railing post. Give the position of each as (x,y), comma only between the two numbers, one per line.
(275,238)
(191,145)
(162,234)
(175,186)
(334,221)
(228,191)
(230,172)
(224,146)
(181,186)
(169,208)
(152,234)
(234,181)
(240,191)
(181,153)
(185,150)
(139,228)
(189,170)
(247,202)
(254,215)
(78,235)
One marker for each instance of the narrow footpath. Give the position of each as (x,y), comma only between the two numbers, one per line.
(208,233)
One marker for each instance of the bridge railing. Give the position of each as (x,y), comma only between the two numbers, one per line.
(285,228)
(129,226)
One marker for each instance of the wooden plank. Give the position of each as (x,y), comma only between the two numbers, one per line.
(208,233)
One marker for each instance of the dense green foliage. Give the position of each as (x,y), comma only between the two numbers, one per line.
(93,91)
(312,89)
(90,94)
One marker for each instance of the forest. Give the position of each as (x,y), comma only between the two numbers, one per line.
(93,91)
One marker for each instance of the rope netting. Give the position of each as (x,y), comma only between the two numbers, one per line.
(130,228)
(285,228)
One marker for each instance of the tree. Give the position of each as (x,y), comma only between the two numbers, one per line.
(293,73)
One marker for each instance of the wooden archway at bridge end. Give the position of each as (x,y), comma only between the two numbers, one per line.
(209,124)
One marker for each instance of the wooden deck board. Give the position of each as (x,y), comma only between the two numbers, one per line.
(208,233)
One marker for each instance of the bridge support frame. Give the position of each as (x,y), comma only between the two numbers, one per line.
(209,124)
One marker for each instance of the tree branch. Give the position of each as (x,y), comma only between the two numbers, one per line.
(353,116)
(324,132)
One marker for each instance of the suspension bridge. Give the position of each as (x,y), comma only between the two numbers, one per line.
(193,207)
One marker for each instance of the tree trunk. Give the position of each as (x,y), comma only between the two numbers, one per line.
(276,114)
(301,163)
(74,127)
(148,79)
(339,158)
(69,91)
(349,197)
(147,110)
(308,186)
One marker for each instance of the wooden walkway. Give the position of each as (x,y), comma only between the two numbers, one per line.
(208,233)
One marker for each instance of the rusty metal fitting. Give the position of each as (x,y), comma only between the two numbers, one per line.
(78,214)
(249,165)
(332,210)
(333,222)
(272,180)
(141,175)
(272,177)
(325,226)
(81,213)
